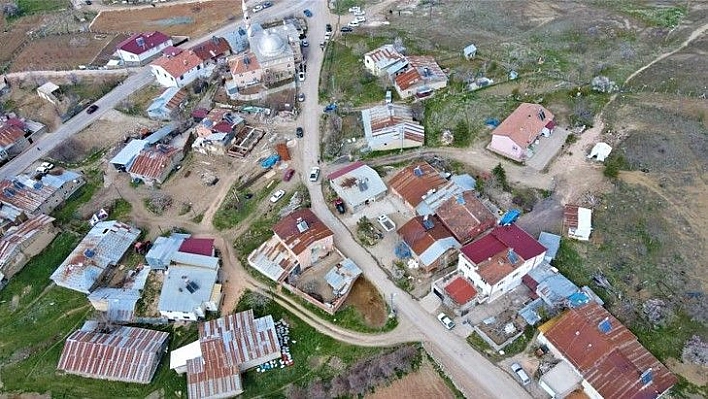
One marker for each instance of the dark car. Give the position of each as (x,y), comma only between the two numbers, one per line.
(299,132)
(329,27)
(308,13)
(339,204)
(346,29)
(288,174)
(91,109)
(267,4)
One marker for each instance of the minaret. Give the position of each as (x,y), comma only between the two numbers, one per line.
(246,16)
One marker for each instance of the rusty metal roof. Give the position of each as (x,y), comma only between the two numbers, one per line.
(415,181)
(127,354)
(607,354)
(230,345)
(103,246)
(466,216)
(9,134)
(152,163)
(28,194)
(17,235)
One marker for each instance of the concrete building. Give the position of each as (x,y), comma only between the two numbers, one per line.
(578,222)
(21,243)
(177,68)
(607,357)
(391,127)
(153,166)
(48,92)
(385,60)
(431,244)
(515,137)
(126,354)
(422,76)
(305,236)
(142,47)
(43,195)
(226,347)
(95,256)
(497,262)
(357,185)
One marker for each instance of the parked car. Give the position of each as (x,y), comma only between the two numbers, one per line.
(288,174)
(360,19)
(328,28)
(386,223)
(257,8)
(277,196)
(301,76)
(314,173)
(45,167)
(91,109)
(446,321)
(301,97)
(354,23)
(307,13)
(299,133)
(339,204)
(328,36)
(267,4)
(519,371)
(305,43)
(346,29)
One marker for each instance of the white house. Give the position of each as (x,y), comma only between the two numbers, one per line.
(578,220)
(470,51)
(357,185)
(496,262)
(391,127)
(47,90)
(141,47)
(177,68)
(384,60)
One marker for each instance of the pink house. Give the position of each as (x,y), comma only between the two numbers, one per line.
(515,136)
(305,236)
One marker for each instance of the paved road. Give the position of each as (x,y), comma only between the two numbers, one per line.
(141,78)
(473,374)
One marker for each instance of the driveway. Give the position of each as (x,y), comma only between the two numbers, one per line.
(547,149)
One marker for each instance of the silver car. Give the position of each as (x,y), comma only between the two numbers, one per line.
(519,371)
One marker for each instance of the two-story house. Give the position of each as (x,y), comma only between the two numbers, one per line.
(141,47)
(304,235)
(177,68)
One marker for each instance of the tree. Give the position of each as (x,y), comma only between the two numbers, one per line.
(10,9)
(500,175)
(461,134)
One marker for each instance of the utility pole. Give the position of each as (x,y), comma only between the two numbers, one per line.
(393,309)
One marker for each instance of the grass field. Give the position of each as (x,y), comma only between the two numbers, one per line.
(28,7)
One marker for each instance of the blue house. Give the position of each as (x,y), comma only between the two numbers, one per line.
(167,104)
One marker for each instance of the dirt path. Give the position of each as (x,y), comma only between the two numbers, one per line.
(424,383)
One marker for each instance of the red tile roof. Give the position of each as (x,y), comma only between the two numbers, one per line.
(460,290)
(524,124)
(343,171)
(198,246)
(466,216)
(150,39)
(411,187)
(179,64)
(213,48)
(243,63)
(127,354)
(286,229)
(418,238)
(9,134)
(501,239)
(611,362)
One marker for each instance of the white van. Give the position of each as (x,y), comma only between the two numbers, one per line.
(388,97)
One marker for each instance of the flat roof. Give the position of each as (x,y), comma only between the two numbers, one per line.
(129,152)
(176,294)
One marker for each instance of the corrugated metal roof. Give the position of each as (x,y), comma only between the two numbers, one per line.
(103,246)
(163,248)
(415,181)
(177,297)
(127,354)
(161,133)
(612,362)
(551,242)
(422,241)
(9,134)
(384,56)
(465,216)
(17,235)
(152,163)
(120,302)
(198,246)
(202,261)
(385,119)
(228,344)
(341,277)
(28,194)
(129,152)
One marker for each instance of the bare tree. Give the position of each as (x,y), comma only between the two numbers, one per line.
(74,79)
(317,390)
(10,9)
(339,386)
(295,392)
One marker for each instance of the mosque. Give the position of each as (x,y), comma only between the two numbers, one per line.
(272,56)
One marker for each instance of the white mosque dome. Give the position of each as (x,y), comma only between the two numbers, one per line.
(271,44)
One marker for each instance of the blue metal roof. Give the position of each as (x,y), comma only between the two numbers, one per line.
(161,133)
(551,242)
(163,248)
(126,156)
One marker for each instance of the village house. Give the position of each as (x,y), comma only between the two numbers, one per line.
(49,92)
(245,72)
(125,157)
(496,262)
(126,354)
(391,127)
(456,292)
(160,254)
(421,78)
(12,141)
(578,222)
(465,216)
(357,185)
(304,235)
(177,68)
(21,243)
(217,131)
(384,60)
(431,244)
(95,256)
(152,166)
(142,47)
(515,136)
(168,104)
(608,358)
(341,278)
(226,347)
(213,51)
(43,195)
(190,288)
(470,51)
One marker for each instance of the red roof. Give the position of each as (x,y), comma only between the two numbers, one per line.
(460,290)
(198,246)
(9,134)
(298,241)
(222,127)
(500,239)
(612,362)
(178,64)
(216,47)
(341,172)
(150,40)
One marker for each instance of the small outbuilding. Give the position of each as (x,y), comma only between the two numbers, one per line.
(600,152)
(470,51)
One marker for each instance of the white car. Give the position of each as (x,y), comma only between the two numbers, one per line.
(355,9)
(360,19)
(354,23)
(314,173)
(301,76)
(519,371)
(257,8)
(446,321)
(277,196)
(328,35)
(386,223)
(45,167)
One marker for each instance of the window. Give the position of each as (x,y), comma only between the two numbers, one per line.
(199,67)
(181,77)
(515,275)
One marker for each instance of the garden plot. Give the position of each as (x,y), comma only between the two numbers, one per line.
(65,52)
